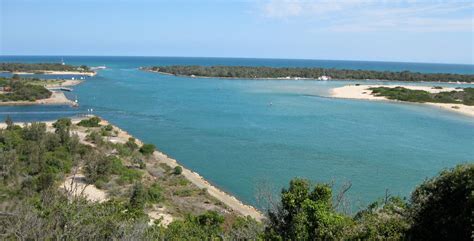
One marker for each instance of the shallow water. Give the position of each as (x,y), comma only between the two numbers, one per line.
(241,133)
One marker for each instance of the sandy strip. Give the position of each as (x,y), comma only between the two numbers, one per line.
(57,98)
(362,92)
(65,83)
(58,72)
(199,181)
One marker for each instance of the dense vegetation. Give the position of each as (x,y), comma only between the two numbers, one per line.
(439,209)
(310,73)
(34,161)
(91,122)
(465,96)
(21,90)
(38,67)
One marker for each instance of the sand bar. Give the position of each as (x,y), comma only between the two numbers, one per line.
(362,92)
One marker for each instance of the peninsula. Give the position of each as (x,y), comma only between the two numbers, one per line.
(33,91)
(257,72)
(46,68)
(460,100)
(115,164)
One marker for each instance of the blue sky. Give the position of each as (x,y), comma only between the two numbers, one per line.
(409,31)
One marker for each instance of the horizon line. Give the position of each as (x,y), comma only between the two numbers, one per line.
(220,57)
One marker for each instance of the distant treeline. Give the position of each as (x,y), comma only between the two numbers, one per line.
(309,73)
(38,67)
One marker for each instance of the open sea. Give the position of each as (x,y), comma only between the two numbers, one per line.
(245,134)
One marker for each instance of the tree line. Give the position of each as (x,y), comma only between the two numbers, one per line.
(38,67)
(255,72)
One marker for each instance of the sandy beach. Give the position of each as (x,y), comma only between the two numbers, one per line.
(362,92)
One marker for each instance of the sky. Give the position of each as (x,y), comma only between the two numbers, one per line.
(430,31)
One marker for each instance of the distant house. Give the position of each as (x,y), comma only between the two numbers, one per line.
(324,77)
(6,89)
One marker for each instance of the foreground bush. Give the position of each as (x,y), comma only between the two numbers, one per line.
(442,208)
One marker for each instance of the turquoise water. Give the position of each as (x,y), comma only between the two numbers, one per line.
(241,133)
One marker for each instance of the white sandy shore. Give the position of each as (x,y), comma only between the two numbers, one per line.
(59,72)
(362,92)
(56,98)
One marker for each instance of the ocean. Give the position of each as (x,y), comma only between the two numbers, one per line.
(245,135)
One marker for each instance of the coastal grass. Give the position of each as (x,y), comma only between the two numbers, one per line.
(465,96)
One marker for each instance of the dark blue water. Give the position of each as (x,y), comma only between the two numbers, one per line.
(228,131)
(135,62)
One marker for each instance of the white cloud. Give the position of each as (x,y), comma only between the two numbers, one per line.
(372,15)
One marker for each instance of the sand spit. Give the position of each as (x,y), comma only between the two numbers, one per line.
(362,92)
(56,98)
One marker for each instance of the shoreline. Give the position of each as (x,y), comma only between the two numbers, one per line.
(362,92)
(228,199)
(299,78)
(50,72)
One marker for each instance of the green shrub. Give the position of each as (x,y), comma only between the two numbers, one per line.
(129,175)
(441,208)
(147,149)
(126,175)
(177,170)
(97,167)
(91,122)
(95,137)
(138,197)
(155,193)
(131,144)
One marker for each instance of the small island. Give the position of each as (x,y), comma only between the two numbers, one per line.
(460,100)
(260,72)
(46,68)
